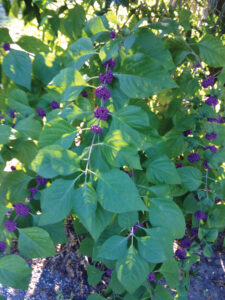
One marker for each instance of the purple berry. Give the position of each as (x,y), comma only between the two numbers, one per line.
(196,198)
(109,63)
(135,227)
(109,272)
(112,34)
(208,81)
(13,168)
(213,149)
(21,209)
(200,215)
(106,78)
(96,129)
(180,253)
(205,165)
(54,104)
(10,225)
(211,136)
(41,181)
(84,94)
(194,231)
(179,165)
(218,200)
(198,66)
(151,277)
(6,47)
(212,101)
(185,243)
(193,157)
(12,113)
(101,113)
(2,246)
(102,92)
(41,112)
(33,191)
(187,132)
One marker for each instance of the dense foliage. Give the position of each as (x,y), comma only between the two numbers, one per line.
(124,130)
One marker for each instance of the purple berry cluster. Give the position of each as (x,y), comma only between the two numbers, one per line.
(41,112)
(211,136)
(102,93)
(10,225)
(54,104)
(6,46)
(208,82)
(219,120)
(211,101)
(2,246)
(151,277)
(40,180)
(101,113)
(106,78)
(21,209)
(112,35)
(213,149)
(187,132)
(96,129)
(12,113)
(193,157)
(205,165)
(33,191)
(200,215)
(109,64)
(185,242)
(180,253)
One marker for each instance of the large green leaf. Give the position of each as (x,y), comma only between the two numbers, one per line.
(25,151)
(45,67)
(141,76)
(162,293)
(56,201)
(212,51)
(132,270)
(17,66)
(14,186)
(150,44)
(127,220)
(57,132)
(161,170)
(165,213)
(69,82)
(4,35)
(191,178)
(114,248)
(170,271)
(112,195)
(73,22)
(54,160)
(81,51)
(35,242)
(156,247)
(18,100)
(32,44)
(94,275)
(5,132)
(29,128)
(14,272)
(92,216)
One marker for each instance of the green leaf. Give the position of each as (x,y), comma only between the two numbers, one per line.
(94,26)
(162,170)
(212,51)
(151,45)
(45,68)
(115,285)
(69,82)
(5,132)
(127,220)
(4,35)
(86,247)
(132,270)
(56,201)
(17,66)
(57,132)
(81,51)
(18,100)
(141,76)
(94,218)
(14,272)
(3,211)
(56,232)
(156,247)
(32,44)
(73,22)
(166,26)
(161,293)
(14,186)
(191,178)
(114,248)
(112,195)
(54,160)
(35,242)
(170,271)
(165,213)
(25,151)
(94,275)
(110,49)
(29,128)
